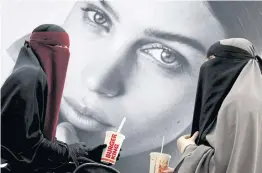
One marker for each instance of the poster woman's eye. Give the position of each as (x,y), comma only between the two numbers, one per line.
(162,54)
(97,18)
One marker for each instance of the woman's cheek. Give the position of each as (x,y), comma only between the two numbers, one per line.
(65,132)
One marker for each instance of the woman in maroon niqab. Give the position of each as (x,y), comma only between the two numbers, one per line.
(52,50)
(30,101)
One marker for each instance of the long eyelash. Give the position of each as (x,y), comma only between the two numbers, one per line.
(86,9)
(182,60)
(158,46)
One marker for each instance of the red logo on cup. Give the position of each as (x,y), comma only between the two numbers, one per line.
(111,152)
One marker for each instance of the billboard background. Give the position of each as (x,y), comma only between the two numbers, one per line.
(138,59)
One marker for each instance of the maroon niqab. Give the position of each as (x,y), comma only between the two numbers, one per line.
(52,50)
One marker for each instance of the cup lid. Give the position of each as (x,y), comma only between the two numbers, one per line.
(158,153)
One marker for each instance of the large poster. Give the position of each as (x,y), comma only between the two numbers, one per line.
(135,59)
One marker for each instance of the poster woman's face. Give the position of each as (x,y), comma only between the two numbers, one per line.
(136,59)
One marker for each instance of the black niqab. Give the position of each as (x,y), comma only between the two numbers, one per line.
(216,78)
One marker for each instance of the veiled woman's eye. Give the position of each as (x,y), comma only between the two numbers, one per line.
(96,18)
(162,54)
(211,57)
(62,46)
(58,45)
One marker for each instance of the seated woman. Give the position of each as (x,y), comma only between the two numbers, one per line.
(227,123)
(30,102)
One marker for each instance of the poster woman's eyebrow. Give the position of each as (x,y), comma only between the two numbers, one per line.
(175,37)
(108,7)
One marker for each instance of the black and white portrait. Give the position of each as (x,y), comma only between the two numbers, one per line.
(137,59)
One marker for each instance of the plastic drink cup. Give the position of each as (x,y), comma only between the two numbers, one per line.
(114,142)
(159,162)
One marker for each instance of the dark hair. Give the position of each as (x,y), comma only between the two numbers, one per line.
(49,28)
(240,19)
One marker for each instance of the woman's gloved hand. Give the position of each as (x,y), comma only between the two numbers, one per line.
(118,157)
(79,152)
(96,153)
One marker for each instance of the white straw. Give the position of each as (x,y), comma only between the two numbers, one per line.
(163,140)
(121,125)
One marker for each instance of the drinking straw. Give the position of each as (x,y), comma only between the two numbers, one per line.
(3,165)
(163,140)
(121,125)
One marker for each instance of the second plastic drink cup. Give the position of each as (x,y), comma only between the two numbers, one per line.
(158,162)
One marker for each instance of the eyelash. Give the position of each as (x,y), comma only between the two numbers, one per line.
(146,49)
(158,46)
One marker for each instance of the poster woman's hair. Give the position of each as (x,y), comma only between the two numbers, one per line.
(240,19)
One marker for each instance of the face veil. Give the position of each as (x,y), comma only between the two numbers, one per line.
(50,43)
(216,79)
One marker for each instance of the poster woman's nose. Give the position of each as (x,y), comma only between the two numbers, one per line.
(107,81)
(111,72)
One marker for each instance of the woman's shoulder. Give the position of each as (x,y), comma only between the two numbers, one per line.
(243,103)
(7,65)
(25,76)
(28,76)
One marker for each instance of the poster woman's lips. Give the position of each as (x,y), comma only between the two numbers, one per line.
(84,117)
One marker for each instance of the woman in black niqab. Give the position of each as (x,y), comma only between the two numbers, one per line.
(228,113)
(216,78)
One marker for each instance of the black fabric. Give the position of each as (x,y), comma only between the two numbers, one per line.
(23,103)
(87,167)
(216,78)
(258,58)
